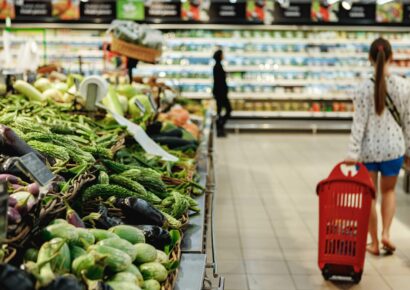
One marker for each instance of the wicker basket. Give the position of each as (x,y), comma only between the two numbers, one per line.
(175,255)
(135,51)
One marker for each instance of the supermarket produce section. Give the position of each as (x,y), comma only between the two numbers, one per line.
(110,214)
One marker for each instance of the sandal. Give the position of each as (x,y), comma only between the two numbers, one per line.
(388,247)
(372,251)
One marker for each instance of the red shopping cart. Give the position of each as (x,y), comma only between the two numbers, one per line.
(344,208)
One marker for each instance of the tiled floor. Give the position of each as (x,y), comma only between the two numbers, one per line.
(267,215)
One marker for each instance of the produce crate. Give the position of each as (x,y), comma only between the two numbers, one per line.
(142,53)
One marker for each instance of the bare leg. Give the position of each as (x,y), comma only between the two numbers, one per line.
(388,184)
(373,247)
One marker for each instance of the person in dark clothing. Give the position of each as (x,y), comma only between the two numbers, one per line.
(220,92)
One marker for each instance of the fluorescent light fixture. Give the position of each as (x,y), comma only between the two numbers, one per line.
(331,2)
(284,3)
(232,1)
(347,4)
(382,2)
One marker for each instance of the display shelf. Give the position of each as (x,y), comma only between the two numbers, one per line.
(290,114)
(191,272)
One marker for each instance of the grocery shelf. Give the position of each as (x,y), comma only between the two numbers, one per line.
(271,96)
(313,126)
(191,272)
(290,114)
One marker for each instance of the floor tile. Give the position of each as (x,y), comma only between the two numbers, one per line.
(236,281)
(270,282)
(266,267)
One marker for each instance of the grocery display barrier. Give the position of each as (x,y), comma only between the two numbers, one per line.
(195,252)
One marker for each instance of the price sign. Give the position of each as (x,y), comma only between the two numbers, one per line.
(31,165)
(4,205)
(140,106)
(91,97)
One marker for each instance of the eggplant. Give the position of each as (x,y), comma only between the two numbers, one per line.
(176,133)
(173,142)
(12,278)
(68,282)
(154,128)
(139,212)
(156,236)
(13,215)
(73,218)
(102,220)
(13,145)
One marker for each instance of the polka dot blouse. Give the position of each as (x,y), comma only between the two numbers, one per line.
(377,138)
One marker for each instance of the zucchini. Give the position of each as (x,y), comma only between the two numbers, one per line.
(129,233)
(105,191)
(122,245)
(29,91)
(100,235)
(116,260)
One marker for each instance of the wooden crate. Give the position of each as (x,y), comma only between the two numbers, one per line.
(142,53)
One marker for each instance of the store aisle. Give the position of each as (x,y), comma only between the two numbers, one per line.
(266,215)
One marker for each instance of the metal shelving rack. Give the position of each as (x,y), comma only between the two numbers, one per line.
(199,269)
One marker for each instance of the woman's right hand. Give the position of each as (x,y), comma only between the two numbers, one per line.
(350,161)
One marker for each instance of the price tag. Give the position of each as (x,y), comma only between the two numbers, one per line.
(91,97)
(152,102)
(31,165)
(4,205)
(140,106)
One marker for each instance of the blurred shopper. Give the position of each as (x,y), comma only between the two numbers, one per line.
(381,136)
(220,92)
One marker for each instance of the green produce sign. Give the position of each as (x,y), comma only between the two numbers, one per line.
(131,9)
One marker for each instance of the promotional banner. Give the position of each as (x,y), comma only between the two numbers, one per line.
(131,10)
(7,9)
(99,10)
(159,11)
(391,12)
(223,11)
(322,11)
(358,14)
(259,11)
(294,13)
(66,9)
(30,9)
(195,10)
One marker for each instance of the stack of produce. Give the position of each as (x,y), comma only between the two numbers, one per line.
(121,228)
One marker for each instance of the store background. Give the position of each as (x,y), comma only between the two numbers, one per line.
(292,66)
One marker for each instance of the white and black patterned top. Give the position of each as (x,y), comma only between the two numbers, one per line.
(377,138)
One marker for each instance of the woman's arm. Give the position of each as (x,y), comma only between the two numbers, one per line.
(360,117)
(405,116)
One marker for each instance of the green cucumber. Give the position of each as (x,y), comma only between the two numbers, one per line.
(58,221)
(145,253)
(151,285)
(125,277)
(100,235)
(162,258)
(122,245)
(76,252)
(31,254)
(134,270)
(154,271)
(129,233)
(123,285)
(61,264)
(90,265)
(116,260)
(85,237)
(65,231)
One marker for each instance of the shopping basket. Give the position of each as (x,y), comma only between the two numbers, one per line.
(345,199)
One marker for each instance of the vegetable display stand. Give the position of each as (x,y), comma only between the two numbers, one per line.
(135,51)
(345,199)
(175,255)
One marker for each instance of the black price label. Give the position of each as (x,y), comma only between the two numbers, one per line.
(152,102)
(140,106)
(4,205)
(34,167)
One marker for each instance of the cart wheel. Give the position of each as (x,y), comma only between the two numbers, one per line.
(357,277)
(326,274)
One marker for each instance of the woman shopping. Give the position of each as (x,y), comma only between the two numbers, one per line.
(380,137)
(220,92)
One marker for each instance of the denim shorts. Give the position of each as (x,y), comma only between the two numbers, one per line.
(386,168)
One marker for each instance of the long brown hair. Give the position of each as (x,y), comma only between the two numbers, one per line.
(380,53)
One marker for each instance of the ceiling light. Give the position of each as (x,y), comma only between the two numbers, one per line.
(232,1)
(331,2)
(347,4)
(382,2)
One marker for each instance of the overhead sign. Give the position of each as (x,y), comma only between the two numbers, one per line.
(294,13)
(98,9)
(225,11)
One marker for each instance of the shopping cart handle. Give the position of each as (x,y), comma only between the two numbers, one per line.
(361,175)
